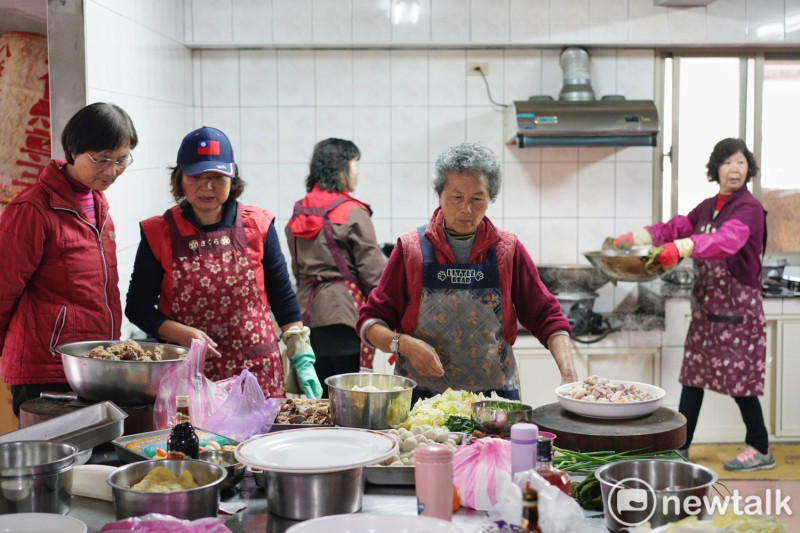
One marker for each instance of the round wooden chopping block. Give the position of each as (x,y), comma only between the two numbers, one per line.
(663,429)
(139,419)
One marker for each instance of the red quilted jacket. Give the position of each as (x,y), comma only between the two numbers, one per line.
(59,279)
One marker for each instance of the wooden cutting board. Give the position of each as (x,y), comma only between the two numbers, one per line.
(663,429)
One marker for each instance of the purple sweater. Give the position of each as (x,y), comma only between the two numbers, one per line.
(736,235)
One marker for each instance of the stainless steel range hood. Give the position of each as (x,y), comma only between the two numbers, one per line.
(578,119)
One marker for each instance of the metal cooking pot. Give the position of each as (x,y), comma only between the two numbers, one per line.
(122,382)
(32,476)
(627,265)
(297,496)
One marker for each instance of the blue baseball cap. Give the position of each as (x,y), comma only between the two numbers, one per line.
(206,150)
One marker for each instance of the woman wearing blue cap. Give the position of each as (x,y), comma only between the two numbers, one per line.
(211,268)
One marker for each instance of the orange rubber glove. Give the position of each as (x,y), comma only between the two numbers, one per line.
(669,256)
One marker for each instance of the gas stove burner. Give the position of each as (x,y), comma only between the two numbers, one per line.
(577,308)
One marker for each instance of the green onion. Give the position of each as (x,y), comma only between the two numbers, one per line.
(588,462)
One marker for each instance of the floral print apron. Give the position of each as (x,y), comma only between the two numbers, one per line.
(460,316)
(726,345)
(215,290)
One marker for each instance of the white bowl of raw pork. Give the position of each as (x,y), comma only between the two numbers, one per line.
(610,398)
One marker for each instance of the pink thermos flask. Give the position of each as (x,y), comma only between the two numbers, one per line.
(433,475)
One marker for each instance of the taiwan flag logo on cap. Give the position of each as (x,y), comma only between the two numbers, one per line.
(207,147)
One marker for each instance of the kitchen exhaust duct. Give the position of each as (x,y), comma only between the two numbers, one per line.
(578,119)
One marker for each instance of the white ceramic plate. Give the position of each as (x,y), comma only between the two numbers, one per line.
(38,522)
(374,523)
(612,410)
(316,450)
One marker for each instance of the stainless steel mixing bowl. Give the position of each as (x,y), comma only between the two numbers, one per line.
(122,382)
(189,504)
(627,265)
(369,410)
(227,460)
(497,417)
(32,476)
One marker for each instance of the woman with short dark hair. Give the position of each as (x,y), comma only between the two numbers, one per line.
(59,263)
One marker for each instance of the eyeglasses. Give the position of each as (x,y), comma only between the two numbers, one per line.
(214,179)
(103,164)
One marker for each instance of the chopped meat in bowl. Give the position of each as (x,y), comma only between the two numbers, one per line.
(598,397)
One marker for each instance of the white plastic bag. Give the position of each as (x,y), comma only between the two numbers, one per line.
(558,513)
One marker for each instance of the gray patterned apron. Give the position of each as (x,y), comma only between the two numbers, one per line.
(726,345)
(460,316)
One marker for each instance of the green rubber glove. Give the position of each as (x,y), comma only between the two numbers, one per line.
(303,364)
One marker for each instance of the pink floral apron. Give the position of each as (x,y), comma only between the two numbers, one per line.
(367,355)
(460,316)
(215,290)
(725,348)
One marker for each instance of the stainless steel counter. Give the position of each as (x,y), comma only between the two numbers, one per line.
(379,499)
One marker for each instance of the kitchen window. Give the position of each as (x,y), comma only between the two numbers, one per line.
(708,98)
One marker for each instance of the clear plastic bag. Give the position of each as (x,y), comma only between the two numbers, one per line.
(477,472)
(188,378)
(158,523)
(558,513)
(245,411)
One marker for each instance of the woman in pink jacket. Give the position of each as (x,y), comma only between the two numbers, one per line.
(725,347)
(59,261)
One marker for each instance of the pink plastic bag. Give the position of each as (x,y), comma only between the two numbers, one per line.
(187,378)
(159,523)
(475,471)
(245,412)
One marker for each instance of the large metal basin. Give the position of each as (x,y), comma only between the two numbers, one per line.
(122,382)
(627,265)
(369,410)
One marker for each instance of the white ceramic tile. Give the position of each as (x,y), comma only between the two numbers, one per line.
(552,76)
(332,21)
(523,74)
(591,234)
(410,177)
(446,126)
(522,184)
(372,21)
(291,21)
(513,154)
(252,21)
(220,78)
(372,127)
(604,303)
(569,21)
(671,359)
(211,21)
(792,17)
(225,119)
(596,154)
(296,77)
(447,82)
(484,125)
(530,21)
(634,190)
(374,188)
(449,21)
(626,297)
(687,24)
(529,233)
(642,154)
(261,187)
(489,21)
(411,21)
(596,190)
(291,187)
(603,72)
(334,122)
(477,93)
(372,77)
(296,129)
(559,154)
(726,22)
(647,23)
(636,74)
(559,190)
(410,134)
(624,224)
(409,77)
(403,225)
(765,21)
(383,229)
(608,21)
(259,135)
(334,77)
(258,77)
(559,241)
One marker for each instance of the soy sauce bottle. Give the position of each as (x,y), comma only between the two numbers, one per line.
(530,512)
(182,442)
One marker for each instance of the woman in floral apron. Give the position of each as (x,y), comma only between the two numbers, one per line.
(453,291)
(335,258)
(211,268)
(725,347)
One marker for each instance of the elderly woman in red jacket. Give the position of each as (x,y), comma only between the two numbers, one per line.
(725,347)
(451,294)
(59,261)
